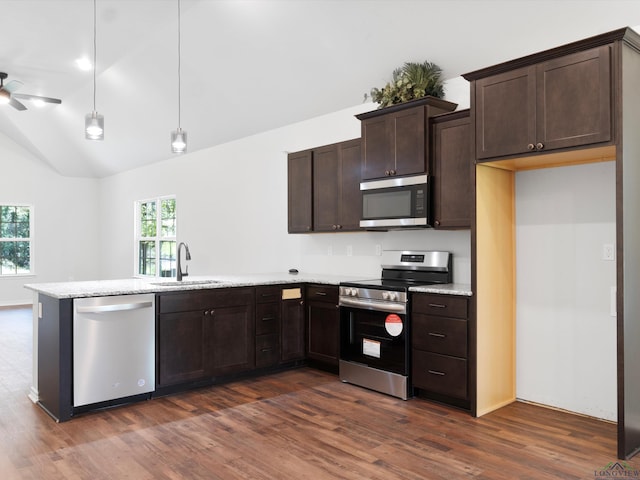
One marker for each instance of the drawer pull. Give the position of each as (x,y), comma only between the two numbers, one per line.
(268,319)
(265,350)
(322,294)
(439,335)
(435,372)
(437,305)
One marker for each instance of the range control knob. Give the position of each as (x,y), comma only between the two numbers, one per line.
(354,292)
(391,296)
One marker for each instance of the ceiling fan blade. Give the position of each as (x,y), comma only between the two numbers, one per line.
(13,85)
(16,104)
(26,96)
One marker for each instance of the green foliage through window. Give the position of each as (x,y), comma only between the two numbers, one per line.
(15,239)
(156,244)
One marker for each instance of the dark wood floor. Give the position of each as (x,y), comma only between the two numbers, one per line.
(302,424)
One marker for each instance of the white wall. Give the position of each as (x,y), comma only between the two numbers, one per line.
(232,210)
(566,336)
(66,243)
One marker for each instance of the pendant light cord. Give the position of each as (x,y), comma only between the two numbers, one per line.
(179,55)
(94,55)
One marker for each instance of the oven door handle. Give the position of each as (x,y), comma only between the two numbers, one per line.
(368,305)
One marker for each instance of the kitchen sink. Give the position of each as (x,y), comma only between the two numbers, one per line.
(174,283)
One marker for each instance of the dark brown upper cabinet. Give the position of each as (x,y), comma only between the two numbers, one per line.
(324,188)
(337,203)
(451,170)
(300,194)
(395,139)
(563,102)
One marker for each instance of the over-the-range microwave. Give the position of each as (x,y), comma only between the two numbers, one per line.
(390,203)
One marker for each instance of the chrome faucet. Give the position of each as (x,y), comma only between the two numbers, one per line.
(179,273)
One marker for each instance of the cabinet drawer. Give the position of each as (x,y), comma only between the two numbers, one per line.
(447,336)
(267,350)
(440,373)
(205,299)
(267,318)
(324,293)
(268,293)
(440,305)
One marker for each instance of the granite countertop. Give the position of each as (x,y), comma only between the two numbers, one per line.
(130,286)
(446,289)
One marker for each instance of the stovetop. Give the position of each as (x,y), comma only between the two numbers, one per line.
(402,269)
(385,284)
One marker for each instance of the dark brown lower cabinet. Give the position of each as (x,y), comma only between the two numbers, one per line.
(267,342)
(292,325)
(204,333)
(439,347)
(323,324)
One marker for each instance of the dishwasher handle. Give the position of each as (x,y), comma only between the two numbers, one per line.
(118,307)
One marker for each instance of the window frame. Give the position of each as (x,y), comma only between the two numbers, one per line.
(30,240)
(157,239)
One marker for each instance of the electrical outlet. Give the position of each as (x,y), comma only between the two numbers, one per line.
(330,250)
(349,250)
(378,250)
(608,252)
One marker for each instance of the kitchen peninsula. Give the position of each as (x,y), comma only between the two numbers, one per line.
(207,330)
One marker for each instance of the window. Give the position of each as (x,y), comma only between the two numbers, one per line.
(16,229)
(156,237)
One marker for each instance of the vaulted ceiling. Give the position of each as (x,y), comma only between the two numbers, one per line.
(247,66)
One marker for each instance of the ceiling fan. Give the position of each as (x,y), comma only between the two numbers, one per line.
(7,94)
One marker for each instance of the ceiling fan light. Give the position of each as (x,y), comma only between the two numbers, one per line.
(94,126)
(5,97)
(179,141)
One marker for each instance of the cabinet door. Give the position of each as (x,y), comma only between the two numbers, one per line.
(323,329)
(377,147)
(409,141)
(300,192)
(574,100)
(292,330)
(326,188)
(505,113)
(181,350)
(451,174)
(230,339)
(350,196)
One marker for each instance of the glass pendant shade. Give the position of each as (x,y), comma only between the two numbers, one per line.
(179,141)
(5,96)
(94,126)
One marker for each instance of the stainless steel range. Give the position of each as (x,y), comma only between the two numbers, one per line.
(375,321)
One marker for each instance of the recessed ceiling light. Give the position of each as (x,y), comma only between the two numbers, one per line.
(83,63)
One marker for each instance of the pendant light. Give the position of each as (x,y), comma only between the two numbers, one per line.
(94,123)
(179,136)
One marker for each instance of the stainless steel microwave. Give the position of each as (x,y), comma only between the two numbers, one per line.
(401,202)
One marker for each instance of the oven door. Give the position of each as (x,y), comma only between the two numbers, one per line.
(374,339)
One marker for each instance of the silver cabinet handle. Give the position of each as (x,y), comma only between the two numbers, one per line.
(437,305)
(435,372)
(118,307)
(439,335)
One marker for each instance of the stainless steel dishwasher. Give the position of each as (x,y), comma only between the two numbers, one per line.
(113,347)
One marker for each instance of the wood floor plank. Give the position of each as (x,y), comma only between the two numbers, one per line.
(299,424)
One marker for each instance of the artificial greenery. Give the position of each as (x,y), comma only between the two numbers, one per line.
(409,82)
